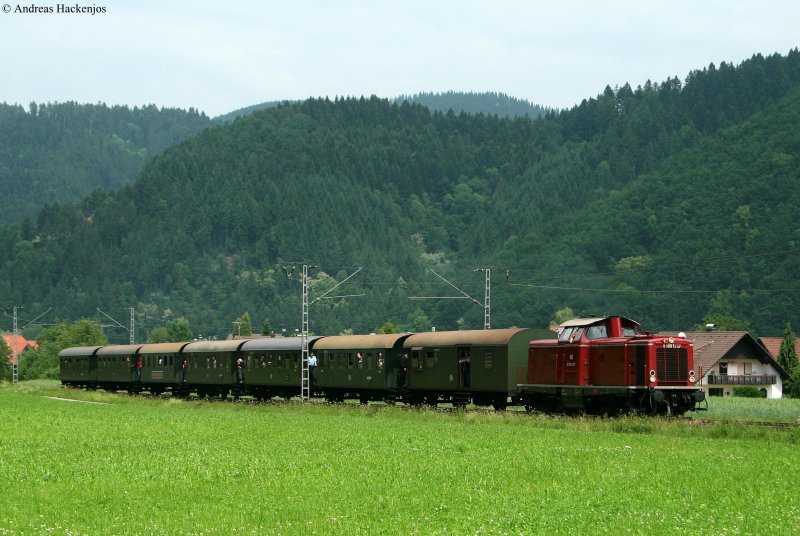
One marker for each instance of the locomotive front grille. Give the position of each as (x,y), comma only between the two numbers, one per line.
(672,364)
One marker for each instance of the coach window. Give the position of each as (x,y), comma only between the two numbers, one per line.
(488,360)
(415,360)
(430,359)
(369,360)
(379,364)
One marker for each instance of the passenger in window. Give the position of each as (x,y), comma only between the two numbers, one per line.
(312,368)
(240,369)
(464,365)
(402,371)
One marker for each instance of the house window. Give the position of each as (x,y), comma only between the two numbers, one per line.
(723,368)
(747,368)
(715,392)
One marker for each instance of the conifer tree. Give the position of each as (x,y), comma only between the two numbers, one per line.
(787,358)
(5,360)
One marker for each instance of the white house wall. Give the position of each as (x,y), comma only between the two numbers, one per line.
(737,368)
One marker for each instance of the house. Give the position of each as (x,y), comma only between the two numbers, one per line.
(18,344)
(726,360)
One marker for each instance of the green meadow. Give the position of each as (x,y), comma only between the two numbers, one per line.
(77,462)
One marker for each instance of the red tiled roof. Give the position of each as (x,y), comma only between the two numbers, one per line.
(19,346)
(773,345)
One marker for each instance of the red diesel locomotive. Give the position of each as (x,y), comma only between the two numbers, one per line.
(607,366)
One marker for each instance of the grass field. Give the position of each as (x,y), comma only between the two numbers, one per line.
(113,464)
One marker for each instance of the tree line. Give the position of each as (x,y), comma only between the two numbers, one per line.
(670,203)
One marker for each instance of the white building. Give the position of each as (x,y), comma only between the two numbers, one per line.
(726,360)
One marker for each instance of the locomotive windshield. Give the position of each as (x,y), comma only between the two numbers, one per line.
(570,334)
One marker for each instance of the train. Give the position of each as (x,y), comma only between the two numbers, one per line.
(597,365)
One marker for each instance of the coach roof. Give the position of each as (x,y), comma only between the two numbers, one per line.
(119,349)
(486,337)
(214,346)
(78,351)
(276,343)
(163,348)
(359,342)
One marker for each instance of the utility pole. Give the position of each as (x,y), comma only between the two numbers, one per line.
(132,338)
(305,382)
(486,302)
(487,298)
(15,352)
(305,385)
(118,324)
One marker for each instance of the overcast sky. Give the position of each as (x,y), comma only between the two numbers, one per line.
(227,54)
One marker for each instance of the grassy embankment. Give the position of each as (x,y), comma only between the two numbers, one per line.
(128,465)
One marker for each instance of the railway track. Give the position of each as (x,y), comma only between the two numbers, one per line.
(762,424)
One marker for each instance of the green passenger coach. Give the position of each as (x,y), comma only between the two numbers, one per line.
(163,368)
(211,366)
(272,366)
(358,366)
(79,366)
(482,366)
(116,366)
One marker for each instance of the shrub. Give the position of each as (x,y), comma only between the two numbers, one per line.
(748,391)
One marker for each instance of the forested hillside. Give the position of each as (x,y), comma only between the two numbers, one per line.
(669,203)
(61,152)
(488,103)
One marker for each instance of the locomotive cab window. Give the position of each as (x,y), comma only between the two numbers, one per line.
(597,332)
(570,334)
